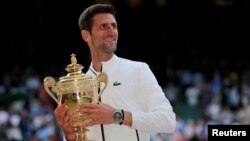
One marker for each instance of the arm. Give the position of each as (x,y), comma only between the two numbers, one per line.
(157,114)
(127,118)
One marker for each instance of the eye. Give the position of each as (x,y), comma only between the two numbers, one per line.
(102,27)
(114,26)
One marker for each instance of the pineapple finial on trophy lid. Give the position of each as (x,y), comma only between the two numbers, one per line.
(73,59)
(74,67)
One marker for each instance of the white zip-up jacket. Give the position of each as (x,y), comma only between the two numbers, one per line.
(133,87)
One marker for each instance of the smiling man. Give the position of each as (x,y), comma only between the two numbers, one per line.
(133,104)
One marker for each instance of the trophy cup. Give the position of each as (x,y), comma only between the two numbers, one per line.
(74,89)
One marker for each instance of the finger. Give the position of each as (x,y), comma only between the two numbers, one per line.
(60,112)
(66,118)
(67,125)
(89,109)
(58,109)
(91,122)
(79,117)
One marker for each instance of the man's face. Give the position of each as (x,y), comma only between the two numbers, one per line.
(104,33)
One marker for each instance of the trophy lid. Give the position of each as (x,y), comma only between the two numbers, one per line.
(75,82)
(74,71)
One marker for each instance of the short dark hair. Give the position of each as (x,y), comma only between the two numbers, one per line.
(85,19)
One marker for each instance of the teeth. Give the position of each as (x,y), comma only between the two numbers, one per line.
(109,40)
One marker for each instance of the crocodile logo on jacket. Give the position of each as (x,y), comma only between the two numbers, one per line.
(116,83)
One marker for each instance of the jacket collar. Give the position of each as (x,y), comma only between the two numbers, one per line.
(106,66)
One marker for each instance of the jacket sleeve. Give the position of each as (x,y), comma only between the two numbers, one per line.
(157,114)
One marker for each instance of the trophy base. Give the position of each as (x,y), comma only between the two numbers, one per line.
(83,140)
(81,134)
(79,139)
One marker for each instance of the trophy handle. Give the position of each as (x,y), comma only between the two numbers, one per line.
(102,78)
(50,82)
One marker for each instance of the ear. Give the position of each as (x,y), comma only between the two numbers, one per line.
(85,35)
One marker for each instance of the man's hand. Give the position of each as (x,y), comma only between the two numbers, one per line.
(96,113)
(64,122)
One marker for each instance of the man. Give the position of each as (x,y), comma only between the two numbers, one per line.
(133,104)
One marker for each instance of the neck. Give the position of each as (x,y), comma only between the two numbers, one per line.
(97,61)
(97,66)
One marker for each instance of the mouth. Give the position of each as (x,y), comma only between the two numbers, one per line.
(110,40)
